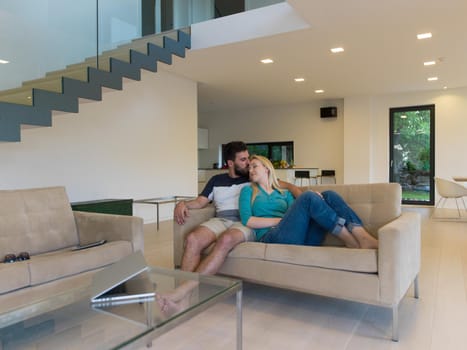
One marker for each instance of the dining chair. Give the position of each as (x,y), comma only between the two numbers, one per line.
(449,189)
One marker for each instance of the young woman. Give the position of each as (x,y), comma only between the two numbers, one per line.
(276,217)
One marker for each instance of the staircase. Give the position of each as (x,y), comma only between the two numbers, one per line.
(32,104)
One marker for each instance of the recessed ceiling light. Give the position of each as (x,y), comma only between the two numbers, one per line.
(337,49)
(424,36)
(429,63)
(267,61)
(299,80)
(432,78)
(319,91)
(4,62)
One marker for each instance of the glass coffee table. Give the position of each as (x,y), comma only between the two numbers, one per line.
(68,320)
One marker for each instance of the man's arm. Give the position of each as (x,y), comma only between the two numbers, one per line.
(182,209)
(295,190)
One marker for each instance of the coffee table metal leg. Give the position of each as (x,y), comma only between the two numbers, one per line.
(239,320)
(157,210)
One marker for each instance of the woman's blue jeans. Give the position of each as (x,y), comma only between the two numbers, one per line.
(311,217)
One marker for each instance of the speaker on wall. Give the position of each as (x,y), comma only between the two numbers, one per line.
(328,112)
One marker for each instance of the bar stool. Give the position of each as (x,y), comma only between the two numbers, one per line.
(303,174)
(331,174)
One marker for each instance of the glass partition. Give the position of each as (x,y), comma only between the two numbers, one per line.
(39,36)
(43,40)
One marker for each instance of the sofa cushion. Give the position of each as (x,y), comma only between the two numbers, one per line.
(336,258)
(249,250)
(51,266)
(36,221)
(13,276)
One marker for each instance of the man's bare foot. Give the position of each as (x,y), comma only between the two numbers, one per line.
(365,240)
(169,307)
(178,299)
(181,291)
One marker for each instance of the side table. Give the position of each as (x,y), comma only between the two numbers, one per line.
(157,201)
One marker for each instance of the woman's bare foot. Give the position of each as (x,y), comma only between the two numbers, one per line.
(349,240)
(365,240)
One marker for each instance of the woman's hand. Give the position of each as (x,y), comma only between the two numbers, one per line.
(319,194)
(257,222)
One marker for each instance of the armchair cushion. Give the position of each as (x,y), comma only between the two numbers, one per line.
(63,263)
(26,221)
(13,276)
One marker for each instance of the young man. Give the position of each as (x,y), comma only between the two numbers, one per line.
(225,228)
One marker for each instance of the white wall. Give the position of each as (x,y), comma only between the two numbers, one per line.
(137,143)
(317,142)
(371,115)
(356,144)
(357,140)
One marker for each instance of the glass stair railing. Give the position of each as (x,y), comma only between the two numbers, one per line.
(32,103)
(47,42)
(53,81)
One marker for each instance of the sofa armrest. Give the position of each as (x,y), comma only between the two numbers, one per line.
(197,216)
(93,227)
(399,256)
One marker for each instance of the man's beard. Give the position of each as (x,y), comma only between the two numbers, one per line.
(240,172)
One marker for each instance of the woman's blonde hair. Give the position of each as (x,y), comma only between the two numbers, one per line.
(272,178)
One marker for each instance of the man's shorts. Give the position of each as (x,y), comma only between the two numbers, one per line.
(219,225)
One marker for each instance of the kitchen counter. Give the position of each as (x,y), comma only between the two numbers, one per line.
(288,174)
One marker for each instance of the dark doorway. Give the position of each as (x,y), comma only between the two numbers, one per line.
(412,150)
(228,7)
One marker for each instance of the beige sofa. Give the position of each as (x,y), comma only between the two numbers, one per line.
(41,222)
(380,277)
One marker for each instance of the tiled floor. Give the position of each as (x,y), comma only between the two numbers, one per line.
(282,319)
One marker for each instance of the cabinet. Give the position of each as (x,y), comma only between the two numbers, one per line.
(106,206)
(289,174)
(284,174)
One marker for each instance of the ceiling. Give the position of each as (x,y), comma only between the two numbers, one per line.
(382,55)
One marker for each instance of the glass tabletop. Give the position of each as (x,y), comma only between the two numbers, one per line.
(79,324)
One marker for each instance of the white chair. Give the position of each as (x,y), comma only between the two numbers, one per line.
(449,189)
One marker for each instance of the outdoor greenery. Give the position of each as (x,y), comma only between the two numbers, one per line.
(416,195)
(411,152)
(413,139)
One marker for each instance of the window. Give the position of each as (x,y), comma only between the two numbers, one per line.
(279,153)
(412,152)
(274,151)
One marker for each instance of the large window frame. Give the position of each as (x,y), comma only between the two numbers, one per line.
(277,152)
(401,166)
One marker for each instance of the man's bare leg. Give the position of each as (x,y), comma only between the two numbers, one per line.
(195,242)
(225,243)
(178,299)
